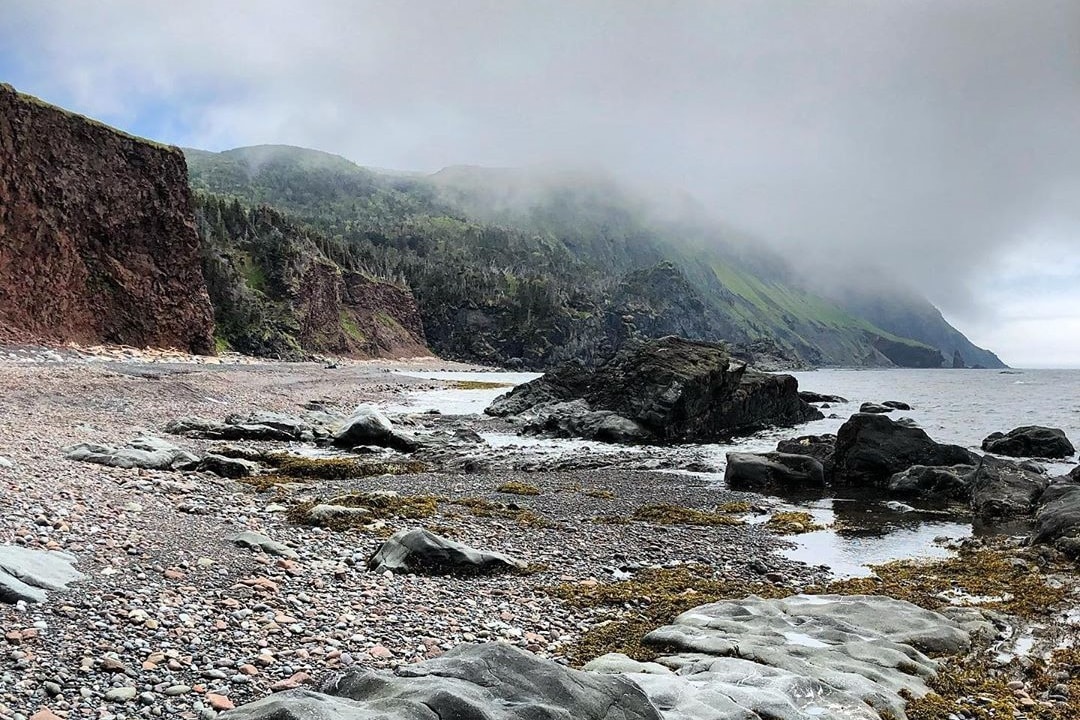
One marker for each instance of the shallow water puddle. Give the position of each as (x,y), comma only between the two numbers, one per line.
(457,401)
(859,538)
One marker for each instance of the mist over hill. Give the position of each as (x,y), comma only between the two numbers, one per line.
(531,268)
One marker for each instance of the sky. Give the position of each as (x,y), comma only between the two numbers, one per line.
(937,139)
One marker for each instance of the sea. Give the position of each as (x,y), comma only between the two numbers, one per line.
(953,406)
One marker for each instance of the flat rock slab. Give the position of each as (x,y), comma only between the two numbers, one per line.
(258,541)
(147,452)
(493,681)
(421,551)
(843,657)
(26,574)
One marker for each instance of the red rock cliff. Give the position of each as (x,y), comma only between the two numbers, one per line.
(97,234)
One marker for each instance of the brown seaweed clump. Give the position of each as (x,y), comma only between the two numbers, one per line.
(668,514)
(792,523)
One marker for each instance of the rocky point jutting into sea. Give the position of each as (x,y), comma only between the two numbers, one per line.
(658,531)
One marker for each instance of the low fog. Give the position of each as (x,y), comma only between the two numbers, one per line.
(939,141)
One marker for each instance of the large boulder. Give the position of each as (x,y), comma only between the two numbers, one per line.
(420,551)
(773,470)
(1030,441)
(368,426)
(1057,520)
(820,447)
(1075,473)
(1002,490)
(953,483)
(146,452)
(494,681)
(870,449)
(26,574)
(674,390)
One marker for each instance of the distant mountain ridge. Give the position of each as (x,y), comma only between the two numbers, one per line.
(530,269)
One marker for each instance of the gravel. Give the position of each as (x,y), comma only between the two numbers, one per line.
(174,620)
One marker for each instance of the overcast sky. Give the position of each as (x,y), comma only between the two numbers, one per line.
(937,138)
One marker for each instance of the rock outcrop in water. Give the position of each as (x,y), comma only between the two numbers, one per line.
(870,449)
(1030,441)
(97,234)
(666,390)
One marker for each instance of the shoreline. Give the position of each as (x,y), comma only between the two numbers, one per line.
(173,610)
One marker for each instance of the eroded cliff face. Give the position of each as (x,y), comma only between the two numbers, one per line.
(97,234)
(278,291)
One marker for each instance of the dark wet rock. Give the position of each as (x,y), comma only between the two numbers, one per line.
(871,449)
(26,574)
(933,482)
(368,426)
(1002,490)
(674,390)
(845,658)
(820,447)
(146,452)
(869,407)
(258,541)
(1032,466)
(421,551)
(227,467)
(813,397)
(493,681)
(1057,520)
(1030,441)
(1075,473)
(773,470)
(896,405)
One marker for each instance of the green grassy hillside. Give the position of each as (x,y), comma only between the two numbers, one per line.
(534,268)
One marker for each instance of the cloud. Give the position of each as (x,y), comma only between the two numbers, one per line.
(932,138)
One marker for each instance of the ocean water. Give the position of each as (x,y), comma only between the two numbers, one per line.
(953,406)
(957,406)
